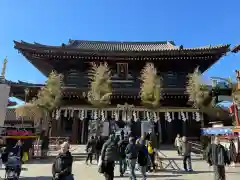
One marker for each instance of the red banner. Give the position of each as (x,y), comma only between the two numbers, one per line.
(17,132)
(234,110)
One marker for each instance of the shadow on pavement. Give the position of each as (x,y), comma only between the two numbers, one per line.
(181,158)
(50,159)
(183,172)
(153,176)
(23,169)
(37,178)
(47,160)
(167,148)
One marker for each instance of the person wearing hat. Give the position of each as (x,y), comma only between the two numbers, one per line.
(62,167)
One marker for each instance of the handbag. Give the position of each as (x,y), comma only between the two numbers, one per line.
(25,157)
(100,166)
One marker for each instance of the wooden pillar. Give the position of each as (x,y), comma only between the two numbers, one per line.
(82,131)
(159,131)
(79,136)
(74,131)
(202,120)
(54,127)
(59,127)
(169,131)
(184,128)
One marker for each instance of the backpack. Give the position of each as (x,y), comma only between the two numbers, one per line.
(143,156)
(150,149)
(122,147)
(58,164)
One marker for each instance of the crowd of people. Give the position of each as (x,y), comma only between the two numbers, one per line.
(131,153)
(216,155)
(126,150)
(137,154)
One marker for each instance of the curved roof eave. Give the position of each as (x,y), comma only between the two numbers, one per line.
(162,46)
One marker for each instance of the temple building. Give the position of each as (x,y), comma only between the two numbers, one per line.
(126,59)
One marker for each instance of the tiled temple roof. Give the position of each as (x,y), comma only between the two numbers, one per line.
(115,46)
(121,46)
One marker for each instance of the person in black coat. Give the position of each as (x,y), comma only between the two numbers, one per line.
(142,158)
(232,152)
(109,156)
(17,150)
(122,144)
(62,166)
(217,157)
(90,147)
(98,147)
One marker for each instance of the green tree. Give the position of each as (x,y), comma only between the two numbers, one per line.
(100,89)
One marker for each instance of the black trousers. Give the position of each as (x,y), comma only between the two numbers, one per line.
(179,150)
(219,172)
(98,154)
(89,157)
(152,158)
(109,170)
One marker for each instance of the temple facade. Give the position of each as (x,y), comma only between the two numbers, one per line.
(125,59)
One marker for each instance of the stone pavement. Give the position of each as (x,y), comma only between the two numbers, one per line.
(41,169)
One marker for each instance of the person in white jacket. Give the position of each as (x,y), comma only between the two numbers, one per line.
(177,144)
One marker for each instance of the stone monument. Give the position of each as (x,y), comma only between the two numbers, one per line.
(4,94)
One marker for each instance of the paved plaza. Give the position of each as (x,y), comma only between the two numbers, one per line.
(42,169)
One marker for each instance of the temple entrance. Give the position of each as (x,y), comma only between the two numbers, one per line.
(67,126)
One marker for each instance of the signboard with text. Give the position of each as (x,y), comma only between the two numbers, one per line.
(12,131)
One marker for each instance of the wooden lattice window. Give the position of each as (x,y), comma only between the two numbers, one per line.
(122,70)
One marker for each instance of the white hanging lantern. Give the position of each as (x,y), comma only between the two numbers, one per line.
(134,116)
(147,115)
(85,113)
(82,114)
(72,112)
(112,115)
(168,117)
(187,117)
(116,115)
(183,117)
(179,115)
(173,117)
(58,114)
(79,114)
(53,114)
(95,115)
(102,116)
(193,116)
(198,117)
(124,116)
(155,117)
(65,113)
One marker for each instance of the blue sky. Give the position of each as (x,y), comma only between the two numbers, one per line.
(187,22)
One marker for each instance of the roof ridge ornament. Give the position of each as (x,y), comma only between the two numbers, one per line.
(3,73)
